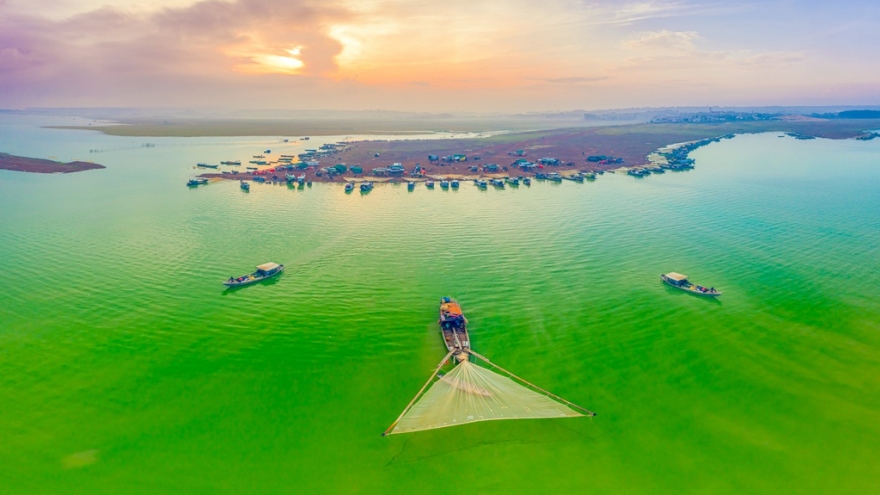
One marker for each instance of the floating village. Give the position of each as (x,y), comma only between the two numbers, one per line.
(446,172)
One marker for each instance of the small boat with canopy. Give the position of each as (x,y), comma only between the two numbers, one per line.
(680,281)
(264,271)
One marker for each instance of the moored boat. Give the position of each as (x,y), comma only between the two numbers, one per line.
(454,184)
(206,165)
(444,184)
(196,182)
(349,186)
(429,184)
(411,186)
(245,186)
(453,326)
(366,186)
(680,281)
(498,183)
(527,181)
(264,271)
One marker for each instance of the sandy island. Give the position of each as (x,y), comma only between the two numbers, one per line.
(632,144)
(42,166)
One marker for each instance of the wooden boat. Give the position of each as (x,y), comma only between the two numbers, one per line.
(453,326)
(196,182)
(245,186)
(366,186)
(259,156)
(349,187)
(680,281)
(429,184)
(454,184)
(444,184)
(482,184)
(527,181)
(411,186)
(301,178)
(206,165)
(290,177)
(231,162)
(513,181)
(498,183)
(264,271)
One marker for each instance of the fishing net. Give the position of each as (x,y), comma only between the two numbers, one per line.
(469,393)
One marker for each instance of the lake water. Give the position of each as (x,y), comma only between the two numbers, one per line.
(126,368)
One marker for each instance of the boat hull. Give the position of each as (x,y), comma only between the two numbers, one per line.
(691,288)
(252,280)
(454,331)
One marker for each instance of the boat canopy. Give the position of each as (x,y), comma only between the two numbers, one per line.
(450,309)
(676,276)
(268,267)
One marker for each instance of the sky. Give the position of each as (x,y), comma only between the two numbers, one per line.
(440,56)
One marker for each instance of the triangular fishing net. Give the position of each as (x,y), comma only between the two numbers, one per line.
(469,393)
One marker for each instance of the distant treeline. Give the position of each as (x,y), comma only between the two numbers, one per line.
(850,114)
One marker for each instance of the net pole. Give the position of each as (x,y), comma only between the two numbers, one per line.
(550,394)
(413,401)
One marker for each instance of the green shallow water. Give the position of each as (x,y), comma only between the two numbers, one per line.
(125,368)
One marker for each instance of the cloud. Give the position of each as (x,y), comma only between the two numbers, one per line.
(664,40)
(574,80)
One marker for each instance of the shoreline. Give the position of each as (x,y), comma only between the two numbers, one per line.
(44,166)
(565,151)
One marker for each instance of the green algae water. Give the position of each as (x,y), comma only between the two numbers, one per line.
(126,368)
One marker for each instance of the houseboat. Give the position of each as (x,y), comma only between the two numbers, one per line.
(680,281)
(453,326)
(264,271)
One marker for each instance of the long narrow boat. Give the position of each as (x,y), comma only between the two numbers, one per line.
(264,271)
(453,326)
(680,281)
(206,165)
(196,182)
